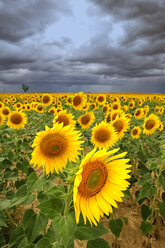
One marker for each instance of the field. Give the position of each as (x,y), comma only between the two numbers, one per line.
(82,170)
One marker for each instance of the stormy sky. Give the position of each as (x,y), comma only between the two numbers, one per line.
(82,45)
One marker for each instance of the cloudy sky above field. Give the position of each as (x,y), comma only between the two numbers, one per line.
(82,45)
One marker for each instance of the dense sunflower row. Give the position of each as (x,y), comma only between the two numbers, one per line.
(104,119)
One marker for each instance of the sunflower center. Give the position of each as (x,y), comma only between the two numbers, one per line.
(16,118)
(76,100)
(102,135)
(135,131)
(94,177)
(137,113)
(100,98)
(118,125)
(114,116)
(150,124)
(63,119)
(46,99)
(5,111)
(108,118)
(85,119)
(115,106)
(53,145)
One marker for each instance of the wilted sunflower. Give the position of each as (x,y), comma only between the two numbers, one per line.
(79,100)
(121,125)
(103,135)
(136,132)
(16,120)
(53,147)
(2,119)
(151,123)
(65,118)
(86,120)
(99,183)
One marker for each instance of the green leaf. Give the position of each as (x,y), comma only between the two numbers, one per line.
(65,226)
(33,224)
(147,190)
(86,232)
(146,227)
(57,191)
(45,243)
(145,211)
(4,203)
(2,159)
(2,219)
(162,209)
(17,237)
(99,243)
(51,207)
(35,183)
(116,226)
(20,196)
(125,219)
(11,174)
(5,163)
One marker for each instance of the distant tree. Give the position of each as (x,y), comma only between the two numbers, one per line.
(25,87)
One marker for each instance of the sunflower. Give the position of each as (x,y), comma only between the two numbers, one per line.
(86,120)
(108,118)
(156,109)
(53,147)
(5,111)
(161,126)
(65,118)
(139,113)
(18,105)
(79,100)
(100,99)
(161,110)
(1,105)
(151,124)
(46,99)
(52,110)
(2,119)
(39,108)
(99,183)
(136,132)
(116,106)
(131,104)
(103,135)
(115,114)
(121,125)
(16,120)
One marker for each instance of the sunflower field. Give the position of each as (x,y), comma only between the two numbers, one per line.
(82,170)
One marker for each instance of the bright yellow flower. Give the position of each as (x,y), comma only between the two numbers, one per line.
(86,120)
(136,132)
(65,118)
(104,135)
(17,120)
(151,123)
(99,183)
(53,147)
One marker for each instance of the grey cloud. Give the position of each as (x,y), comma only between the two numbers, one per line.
(20,19)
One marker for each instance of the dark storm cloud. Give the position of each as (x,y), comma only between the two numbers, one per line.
(20,19)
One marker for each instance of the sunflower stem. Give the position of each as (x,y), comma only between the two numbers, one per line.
(68,201)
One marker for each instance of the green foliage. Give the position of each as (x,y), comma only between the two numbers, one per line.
(99,243)
(116,226)
(86,232)
(146,227)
